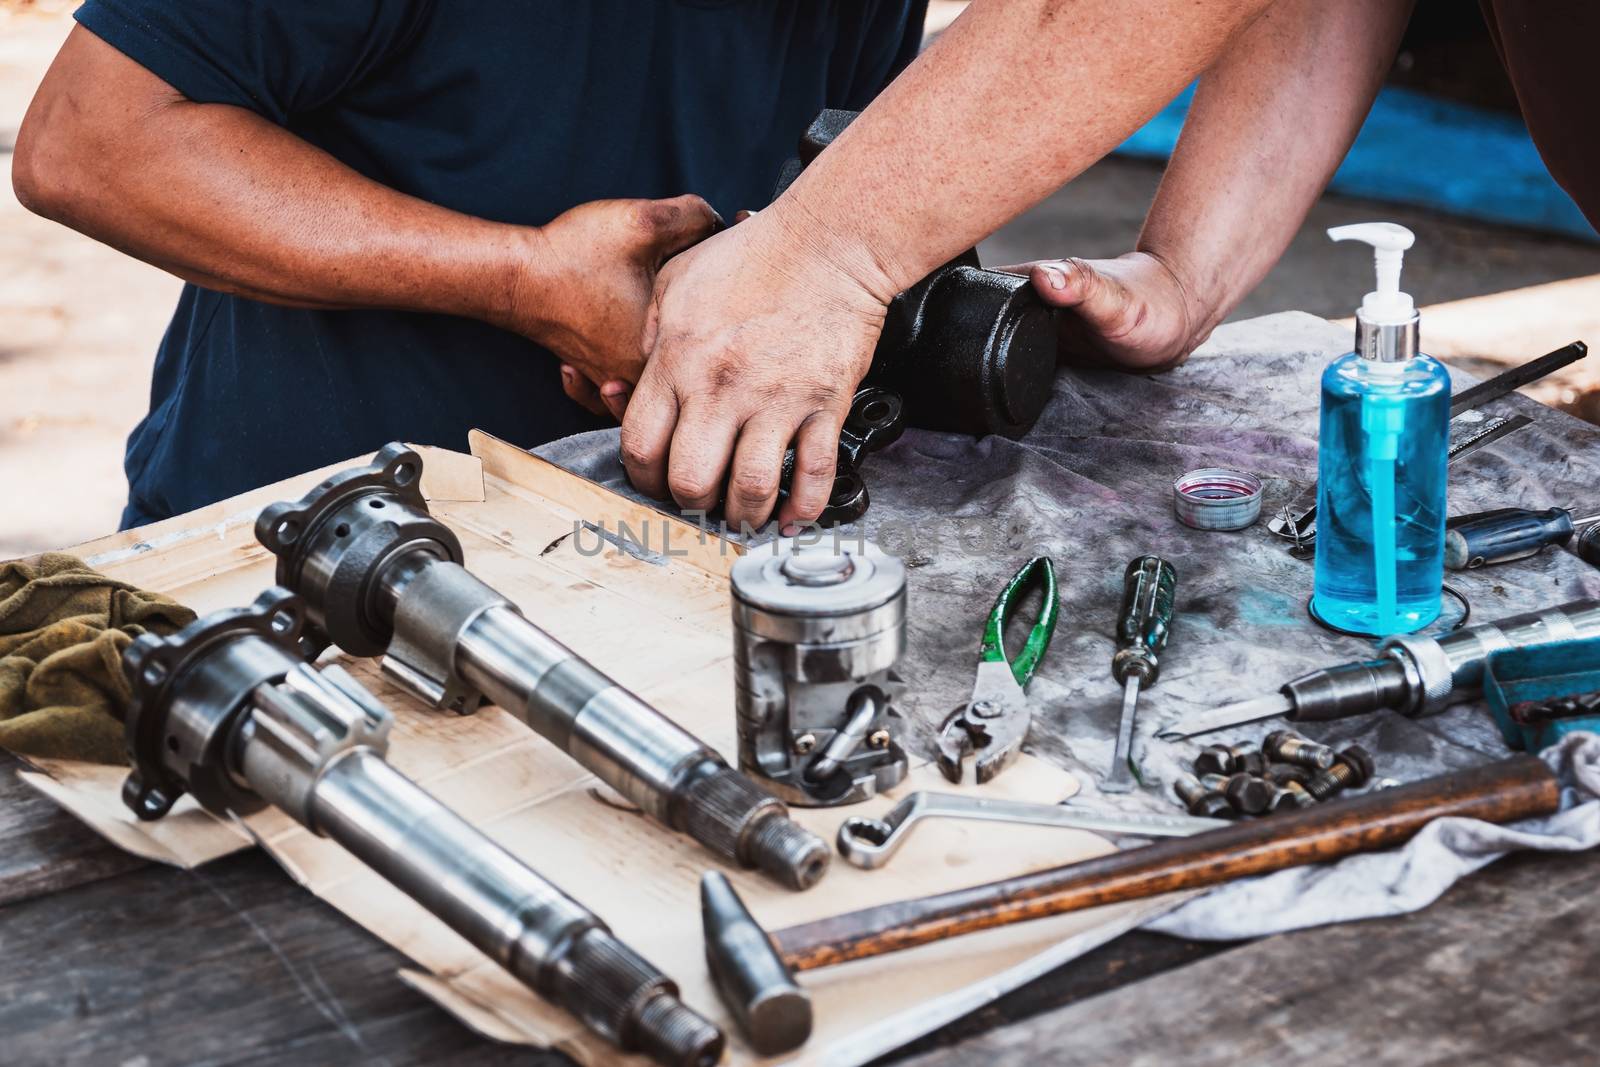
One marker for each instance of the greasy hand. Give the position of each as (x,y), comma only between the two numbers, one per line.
(1133,312)
(584,286)
(756,340)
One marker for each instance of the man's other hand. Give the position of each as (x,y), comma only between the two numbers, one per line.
(585,284)
(757,340)
(1133,312)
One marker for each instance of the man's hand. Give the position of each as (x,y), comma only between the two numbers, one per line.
(757,340)
(1133,312)
(587,285)
(115,152)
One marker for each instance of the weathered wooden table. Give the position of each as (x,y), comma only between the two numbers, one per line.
(106,959)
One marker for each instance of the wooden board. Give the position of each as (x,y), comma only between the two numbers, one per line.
(44,850)
(231,963)
(658,621)
(1500,971)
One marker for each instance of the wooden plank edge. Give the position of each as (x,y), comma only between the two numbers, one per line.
(594,504)
(446,476)
(204,836)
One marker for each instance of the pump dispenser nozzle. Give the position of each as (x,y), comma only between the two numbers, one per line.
(1386,321)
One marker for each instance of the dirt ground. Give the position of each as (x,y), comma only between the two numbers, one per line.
(79,322)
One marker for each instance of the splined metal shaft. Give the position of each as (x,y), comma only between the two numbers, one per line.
(380,575)
(226,709)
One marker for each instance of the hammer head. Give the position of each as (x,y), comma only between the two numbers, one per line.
(772,1011)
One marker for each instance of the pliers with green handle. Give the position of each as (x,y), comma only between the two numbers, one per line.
(994,723)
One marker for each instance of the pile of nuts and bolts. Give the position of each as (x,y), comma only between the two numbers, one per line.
(1288,772)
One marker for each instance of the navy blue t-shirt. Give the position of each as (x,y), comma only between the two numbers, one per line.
(509,111)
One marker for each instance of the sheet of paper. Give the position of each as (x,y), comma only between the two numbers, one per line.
(658,621)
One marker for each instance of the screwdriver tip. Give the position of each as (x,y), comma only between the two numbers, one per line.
(1243,711)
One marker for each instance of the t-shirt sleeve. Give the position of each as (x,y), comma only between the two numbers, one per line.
(894,36)
(275,57)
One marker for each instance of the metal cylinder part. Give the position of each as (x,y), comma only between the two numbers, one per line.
(228,706)
(1415,675)
(1451,665)
(970,350)
(365,538)
(818,629)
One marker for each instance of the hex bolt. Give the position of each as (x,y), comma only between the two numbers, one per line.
(1353,769)
(1281,774)
(804,743)
(1214,806)
(1202,801)
(1249,761)
(1284,799)
(1214,759)
(1189,789)
(1249,794)
(1302,799)
(1286,746)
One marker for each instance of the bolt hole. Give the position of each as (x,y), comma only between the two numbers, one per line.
(844,488)
(342,530)
(172,743)
(375,504)
(405,474)
(282,621)
(876,411)
(288,530)
(155,672)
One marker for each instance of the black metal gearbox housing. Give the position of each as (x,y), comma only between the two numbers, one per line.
(970,350)
(188,690)
(333,542)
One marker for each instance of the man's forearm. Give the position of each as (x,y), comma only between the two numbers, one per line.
(228,200)
(1016,98)
(1270,122)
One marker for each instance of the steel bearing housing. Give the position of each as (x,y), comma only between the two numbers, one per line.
(818,630)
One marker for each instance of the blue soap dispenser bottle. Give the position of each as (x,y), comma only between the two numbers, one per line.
(1381,459)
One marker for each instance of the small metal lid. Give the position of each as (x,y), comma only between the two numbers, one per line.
(1217,498)
(827,577)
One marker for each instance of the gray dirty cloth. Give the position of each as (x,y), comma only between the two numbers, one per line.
(1092,487)
(1401,880)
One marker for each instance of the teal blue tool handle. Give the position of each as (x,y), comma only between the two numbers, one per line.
(1149,586)
(994,632)
(1500,536)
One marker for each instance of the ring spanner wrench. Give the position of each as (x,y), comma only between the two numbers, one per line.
(869,843)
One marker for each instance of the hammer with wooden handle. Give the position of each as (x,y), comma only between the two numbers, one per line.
(754,969)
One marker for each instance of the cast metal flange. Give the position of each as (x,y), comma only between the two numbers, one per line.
(181,718)
(333,543)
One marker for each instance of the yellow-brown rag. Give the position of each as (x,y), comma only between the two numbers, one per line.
(63,628)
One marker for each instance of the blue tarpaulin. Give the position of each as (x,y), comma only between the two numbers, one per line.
(1418,149)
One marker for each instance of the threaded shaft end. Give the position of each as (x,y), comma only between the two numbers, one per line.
(734,818)
(605,983)
(789,852)
(1307,753)
(672,1034)
(721,808)
(1329,782)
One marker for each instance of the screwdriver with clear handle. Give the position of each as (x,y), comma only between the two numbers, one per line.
(1148,588)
